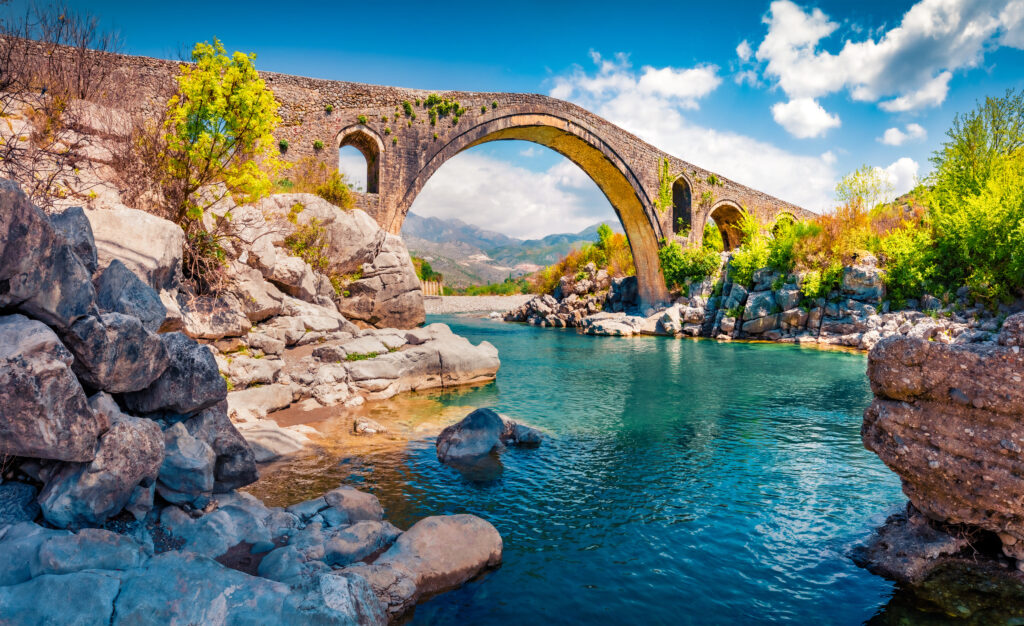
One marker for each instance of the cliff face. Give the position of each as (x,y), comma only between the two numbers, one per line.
(949,419)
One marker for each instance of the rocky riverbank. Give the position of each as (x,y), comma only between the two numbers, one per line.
(948,419)
(119,463)
(856,315)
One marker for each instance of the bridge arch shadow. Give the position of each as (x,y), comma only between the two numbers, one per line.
(609,171)
(728,215)
(682,206)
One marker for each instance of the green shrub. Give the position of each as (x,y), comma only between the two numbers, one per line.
(318,145)
(908,257)
(407,108)
(679,265)
(361,119)
(387,130)
(335,190)
(309,243)
(752,255)
(483,109)
(328,109)
(283,145)
(494,104)
(713,238)
(355,356)
(818,283)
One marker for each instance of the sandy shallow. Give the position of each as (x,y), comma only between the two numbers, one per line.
(472,304)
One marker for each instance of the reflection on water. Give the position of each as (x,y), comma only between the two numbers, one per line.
(682,482)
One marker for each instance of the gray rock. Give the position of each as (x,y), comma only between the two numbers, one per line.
(291,566)
(151,247)
(394,588)
(40,274)
(214,317)
(220,595)
(17,503)
(260,300)
(475,436)
(20,545)
(188,464)
(74,225)
(443,552)
(270,441)
(129,453)
(90,548)
(759,304)
(190,383)
(517,434)
(43,410)
(787,297)
(357,505)
(115,353)
(235,464)
(864,282)
(215,533)
(761,324)
(118,290)
(359,541)
(79,599)
(388,293)
(256,402)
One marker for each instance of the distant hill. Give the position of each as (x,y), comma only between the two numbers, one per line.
(470,255)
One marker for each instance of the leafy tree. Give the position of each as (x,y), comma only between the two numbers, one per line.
(864,188)
(219,133)
(993,129)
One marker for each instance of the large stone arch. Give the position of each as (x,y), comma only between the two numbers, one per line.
(728,215)
(612,174)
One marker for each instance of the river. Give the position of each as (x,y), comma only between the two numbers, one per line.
(681,482)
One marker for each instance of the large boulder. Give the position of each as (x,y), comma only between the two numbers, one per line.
(353,237)
(864,282)
(388,292)
(115,352)
(191,382)
(443,552)
(130,453)
(151,247)
(476,435)
(948,420)
(43,409)
(759,304)
(40,274)
(295,277)
(17,503)
(89,548)
(119,290)
(235,463)
(74,225)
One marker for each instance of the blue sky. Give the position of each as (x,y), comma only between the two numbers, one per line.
(785,96)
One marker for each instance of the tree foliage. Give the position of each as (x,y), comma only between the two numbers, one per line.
(864,188)
(219,132)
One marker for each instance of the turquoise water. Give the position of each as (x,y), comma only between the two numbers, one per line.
(682,483)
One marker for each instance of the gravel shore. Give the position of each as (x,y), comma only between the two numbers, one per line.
(470,304)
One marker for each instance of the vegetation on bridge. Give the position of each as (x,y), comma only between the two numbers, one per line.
(963,227)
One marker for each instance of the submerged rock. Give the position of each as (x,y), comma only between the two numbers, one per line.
(480,433)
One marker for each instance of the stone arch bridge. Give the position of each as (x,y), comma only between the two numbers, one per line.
(393,129)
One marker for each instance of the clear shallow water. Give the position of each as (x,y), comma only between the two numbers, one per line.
(682,482)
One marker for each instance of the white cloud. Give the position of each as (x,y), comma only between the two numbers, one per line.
(685,85)
(896,137)
(747,76)
(902,174)
(909,65)
(497,195)
(804,118)
(828,157)
(744,51)
(932,94)
(805,180)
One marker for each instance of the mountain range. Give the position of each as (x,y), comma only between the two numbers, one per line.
(470,255)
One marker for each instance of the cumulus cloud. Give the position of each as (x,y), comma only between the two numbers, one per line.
(902,174)
(744,51)
(496,195)
(611,92)
(804,117)
(896,137)
(683,86)
(907,67)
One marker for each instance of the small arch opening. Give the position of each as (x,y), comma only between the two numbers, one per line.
(782,221)
(728,217)
(359,160)
(682,204)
